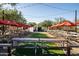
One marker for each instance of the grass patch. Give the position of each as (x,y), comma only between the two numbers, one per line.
(50,44)
(38,35)
(57,52)
(24,51)
(30,52)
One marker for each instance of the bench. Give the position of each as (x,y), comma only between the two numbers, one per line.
(8,46)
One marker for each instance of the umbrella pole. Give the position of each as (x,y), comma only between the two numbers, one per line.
(3,30)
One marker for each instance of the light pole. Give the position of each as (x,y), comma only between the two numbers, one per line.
(75,20)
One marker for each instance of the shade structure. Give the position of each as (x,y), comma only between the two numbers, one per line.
(11,23)
(51,28)
(55,26)
(5,22)
(8,22)
(20,25)
(14,23)
(25,26)
(67,23)
(77,23)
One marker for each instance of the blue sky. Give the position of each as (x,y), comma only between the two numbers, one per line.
(39,12)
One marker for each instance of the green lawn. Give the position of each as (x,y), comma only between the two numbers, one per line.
(30,52)
(38,35)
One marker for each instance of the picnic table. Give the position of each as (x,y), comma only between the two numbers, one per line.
(73,36)
(35,40)
(4,46)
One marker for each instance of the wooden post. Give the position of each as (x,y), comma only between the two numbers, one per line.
(42,49)
(9,51)
(68,49)
(62,44)
(35,48)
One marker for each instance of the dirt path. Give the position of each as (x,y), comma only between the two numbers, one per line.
(52,36)
(49,35)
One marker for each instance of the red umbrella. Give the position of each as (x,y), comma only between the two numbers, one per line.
(4,22)
(26,26)
(77,23)
(51,27)
(22,25)
(8,22)
(55,26)
(14,23)
(67,23)
(19,25)
(29,26)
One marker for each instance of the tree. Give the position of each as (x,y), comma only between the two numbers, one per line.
(13,5)
(0,6)
(32,23)
(59,19)
(46,23)
(12,15)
